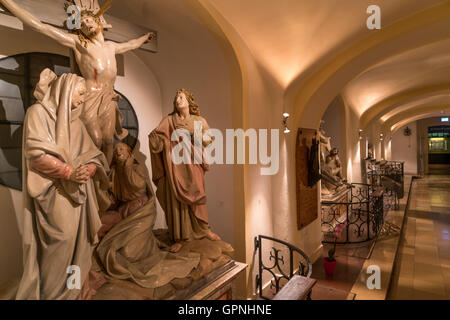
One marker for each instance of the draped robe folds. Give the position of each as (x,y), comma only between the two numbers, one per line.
(180,188)
(130,250)
(100,105)
(61,217)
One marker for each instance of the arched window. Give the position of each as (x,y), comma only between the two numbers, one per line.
(19,75)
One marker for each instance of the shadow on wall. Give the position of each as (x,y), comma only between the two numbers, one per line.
(11,155)
(10,237)
(140,156)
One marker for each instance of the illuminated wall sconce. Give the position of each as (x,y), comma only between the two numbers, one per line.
(381,137)
(285,118)
(360,131)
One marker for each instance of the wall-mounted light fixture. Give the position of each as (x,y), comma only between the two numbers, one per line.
(407,132)
(360,131)
(381,137)
(285,118)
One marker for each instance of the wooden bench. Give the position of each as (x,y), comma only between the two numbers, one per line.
(298,288)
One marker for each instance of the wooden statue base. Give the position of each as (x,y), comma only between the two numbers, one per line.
(212,279)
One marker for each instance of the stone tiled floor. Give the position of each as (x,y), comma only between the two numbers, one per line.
(350,259)
(423,265)
(383,253)
(353,260)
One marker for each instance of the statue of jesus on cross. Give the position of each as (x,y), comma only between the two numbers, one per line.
(96,59)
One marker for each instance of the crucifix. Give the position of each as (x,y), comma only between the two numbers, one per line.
(96,60)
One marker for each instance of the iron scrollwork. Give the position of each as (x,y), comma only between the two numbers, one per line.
(304,267)
(363,215)
(388,175)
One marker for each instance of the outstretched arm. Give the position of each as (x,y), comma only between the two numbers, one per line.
(132,44)
(60,36)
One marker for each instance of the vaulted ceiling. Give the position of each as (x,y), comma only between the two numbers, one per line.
(415,79)
(288,37)
(293,40)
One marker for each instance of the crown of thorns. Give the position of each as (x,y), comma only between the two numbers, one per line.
(84,7)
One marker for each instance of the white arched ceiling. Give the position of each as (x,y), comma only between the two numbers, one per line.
(313,49)
(416,117)
(307,47)
(410,97)
(392,124)
(440,101)
(288,37)
(312,95)
(418,76)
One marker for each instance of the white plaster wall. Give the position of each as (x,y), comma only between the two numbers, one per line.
(264,214)
(373,135)
(353,146)
(334,125)
(378,144)
(405,148)
(139,85)
(271,207)
(388,150)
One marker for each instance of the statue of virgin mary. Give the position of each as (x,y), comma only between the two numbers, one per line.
(62,169)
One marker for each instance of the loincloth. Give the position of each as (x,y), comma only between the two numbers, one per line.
(101,105)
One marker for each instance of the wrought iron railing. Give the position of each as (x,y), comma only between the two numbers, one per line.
(362,216)
(281,270)
(390,176)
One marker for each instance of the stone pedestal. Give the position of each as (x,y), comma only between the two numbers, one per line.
(211,279)
(340,196)
(223,288)
(334,210)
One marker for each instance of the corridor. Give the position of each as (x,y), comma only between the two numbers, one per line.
(423,265)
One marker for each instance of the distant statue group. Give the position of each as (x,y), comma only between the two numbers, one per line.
(83,194)
(333,179)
